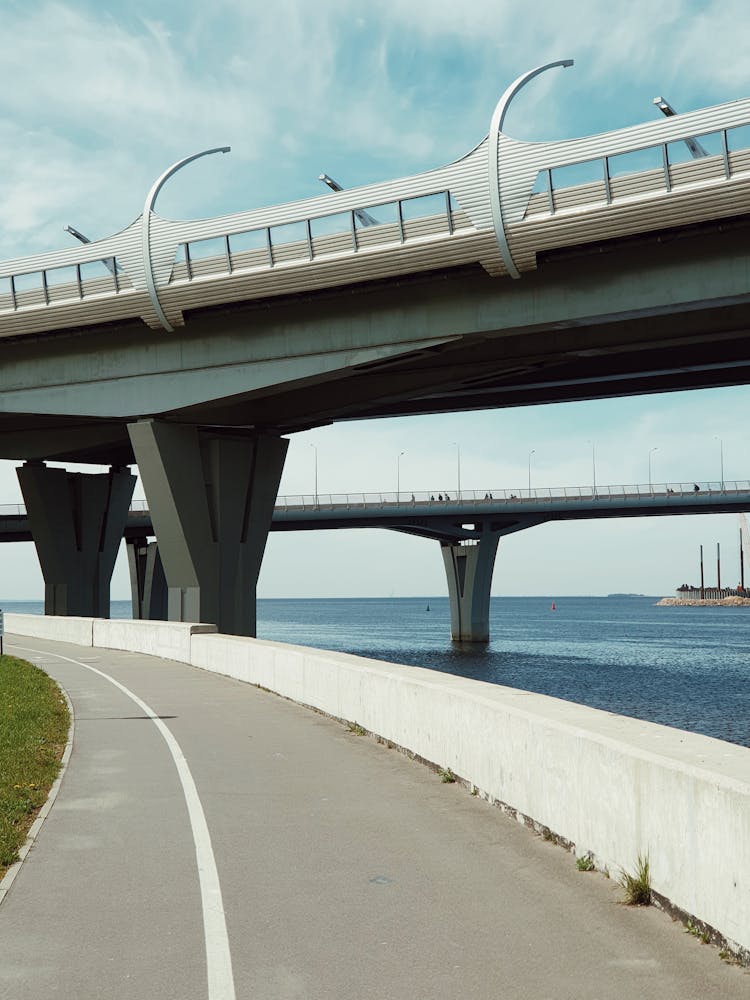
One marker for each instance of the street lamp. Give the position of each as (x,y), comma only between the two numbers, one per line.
(315,449)
(109,262)
(593,466)
(532,452)
(649,467)
(398,475)
(148,210)
(721,457)
(696,149)
(458,465)
(363,217)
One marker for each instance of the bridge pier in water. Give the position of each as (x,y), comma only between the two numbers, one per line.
(148,585)
(211,498)
(77,520)
(468,567)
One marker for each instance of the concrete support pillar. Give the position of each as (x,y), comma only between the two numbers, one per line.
(148,585)
(77,521)
(211,499)
(468,568)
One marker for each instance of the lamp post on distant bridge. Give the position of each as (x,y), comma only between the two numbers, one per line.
(650,486)
(721,457)
(398,475)
(593,467)
(532,452)
(315,449)
(457,446)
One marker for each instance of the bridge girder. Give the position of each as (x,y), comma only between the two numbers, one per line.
(635,317)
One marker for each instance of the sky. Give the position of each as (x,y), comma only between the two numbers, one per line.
(97,99)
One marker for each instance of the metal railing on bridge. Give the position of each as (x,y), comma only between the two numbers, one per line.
(511,497)
(658,168)
(478,499)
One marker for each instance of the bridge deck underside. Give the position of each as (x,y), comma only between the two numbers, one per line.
(668,312)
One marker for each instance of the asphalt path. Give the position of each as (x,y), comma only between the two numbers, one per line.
(211,841)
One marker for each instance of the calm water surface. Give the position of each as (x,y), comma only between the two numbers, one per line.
(683,667)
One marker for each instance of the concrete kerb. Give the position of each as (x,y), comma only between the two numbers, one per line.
(600,784)
(12,872)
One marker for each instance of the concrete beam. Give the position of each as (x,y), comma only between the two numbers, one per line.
(77,521)
(211,499)
(468,567)
(608,324)
(49,439)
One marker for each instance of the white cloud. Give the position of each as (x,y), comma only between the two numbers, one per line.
(97,100)
(90,74)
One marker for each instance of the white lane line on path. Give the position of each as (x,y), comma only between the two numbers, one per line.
(218,957)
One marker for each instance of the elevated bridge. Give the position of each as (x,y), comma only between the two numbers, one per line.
(502,206)
(521,273)
(468,527)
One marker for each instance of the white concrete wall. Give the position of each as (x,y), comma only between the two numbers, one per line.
(77,630)
(170,640)
(612,785)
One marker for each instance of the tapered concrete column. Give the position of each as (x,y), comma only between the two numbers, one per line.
(148,585)
(77,521)
(468,568)
(211,499)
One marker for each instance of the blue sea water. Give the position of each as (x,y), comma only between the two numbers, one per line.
(680,666)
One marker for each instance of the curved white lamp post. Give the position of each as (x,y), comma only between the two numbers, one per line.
(493,155)
(146,227)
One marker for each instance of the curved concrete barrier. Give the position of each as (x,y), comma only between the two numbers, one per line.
(610,785)
(77,630)
(615,786)
(170,640)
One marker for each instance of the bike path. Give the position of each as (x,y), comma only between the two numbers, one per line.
(344,868)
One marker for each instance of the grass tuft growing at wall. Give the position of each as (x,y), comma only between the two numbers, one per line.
(638,886)
(34,721)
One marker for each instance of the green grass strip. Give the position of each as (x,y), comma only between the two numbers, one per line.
(34,721)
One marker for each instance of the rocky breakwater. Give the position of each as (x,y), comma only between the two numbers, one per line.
(696,602)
